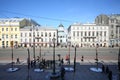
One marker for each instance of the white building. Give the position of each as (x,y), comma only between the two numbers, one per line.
(88,35)
(43,36)
(62,36)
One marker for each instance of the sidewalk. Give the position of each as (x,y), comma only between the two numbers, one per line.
(82,72)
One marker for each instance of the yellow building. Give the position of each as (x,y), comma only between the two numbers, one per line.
(9,32)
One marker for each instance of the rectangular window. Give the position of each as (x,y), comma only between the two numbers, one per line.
(21,34)
(105,33)
(29,34)
(15,29)
(85,34)
(11,36)
(3,43)
(6,43)
(77,33)
(11,29)
(41,33)
(81,33)
(6,36)
(46,34)
(2,29)
(49,34)
(92,33)
(54,34)
(73,33)
(96,33)
(37,34)
(30,40)
(25,34)
(89,33)
(16,36)
(6,29)
(3,36)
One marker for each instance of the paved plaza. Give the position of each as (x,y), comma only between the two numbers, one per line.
(108,57)
(83,72)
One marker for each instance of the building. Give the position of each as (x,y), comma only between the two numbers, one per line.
(10,30)
(88,35)
(62,36)
(41,36)
(113,21)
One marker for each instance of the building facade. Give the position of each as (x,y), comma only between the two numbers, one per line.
(113,21)
(41,36)
(88,35)
(9,32)
(62,36)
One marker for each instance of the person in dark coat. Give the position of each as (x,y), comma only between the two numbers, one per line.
(110,75)
(62,72)
(103,68)
(107,70)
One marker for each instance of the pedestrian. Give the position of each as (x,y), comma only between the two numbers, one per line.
(62,72)
(62,62)
(82,58)
(107,70)
(103,68)
(110,75)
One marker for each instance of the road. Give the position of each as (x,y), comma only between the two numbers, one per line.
(47,53)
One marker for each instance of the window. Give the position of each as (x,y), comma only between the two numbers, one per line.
(29,34)
(38,34)
(11,29)
(21,40)
(81,33)
(74,33)
(41,33)
(49,34)
(25,34)
(16,36)
(21,34)
(89,33)
(45,34)
(11,36)
(6,36)
(15,29)
(6,43)
(3,43)
(2,29)
(111,26)
(104,33)
(92,33)
(85,34)
(81,40)
(54,34)
(77,33)
(30,40)
(96,33)
(6,29)
(3,36)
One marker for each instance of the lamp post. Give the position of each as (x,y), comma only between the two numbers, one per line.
(53,55)
(40,52)
(69,52)
(34,42)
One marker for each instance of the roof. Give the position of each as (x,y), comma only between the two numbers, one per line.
(60,25)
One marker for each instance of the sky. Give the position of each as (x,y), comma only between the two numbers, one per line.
(55,12)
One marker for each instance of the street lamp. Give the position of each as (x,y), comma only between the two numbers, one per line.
(34,42)
(40,52)
(53,55)
(69,52)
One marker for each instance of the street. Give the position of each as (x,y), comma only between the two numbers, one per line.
(47,53)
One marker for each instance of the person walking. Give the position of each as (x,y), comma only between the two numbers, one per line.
(62,72)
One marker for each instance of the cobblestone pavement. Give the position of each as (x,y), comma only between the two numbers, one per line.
(83,72)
